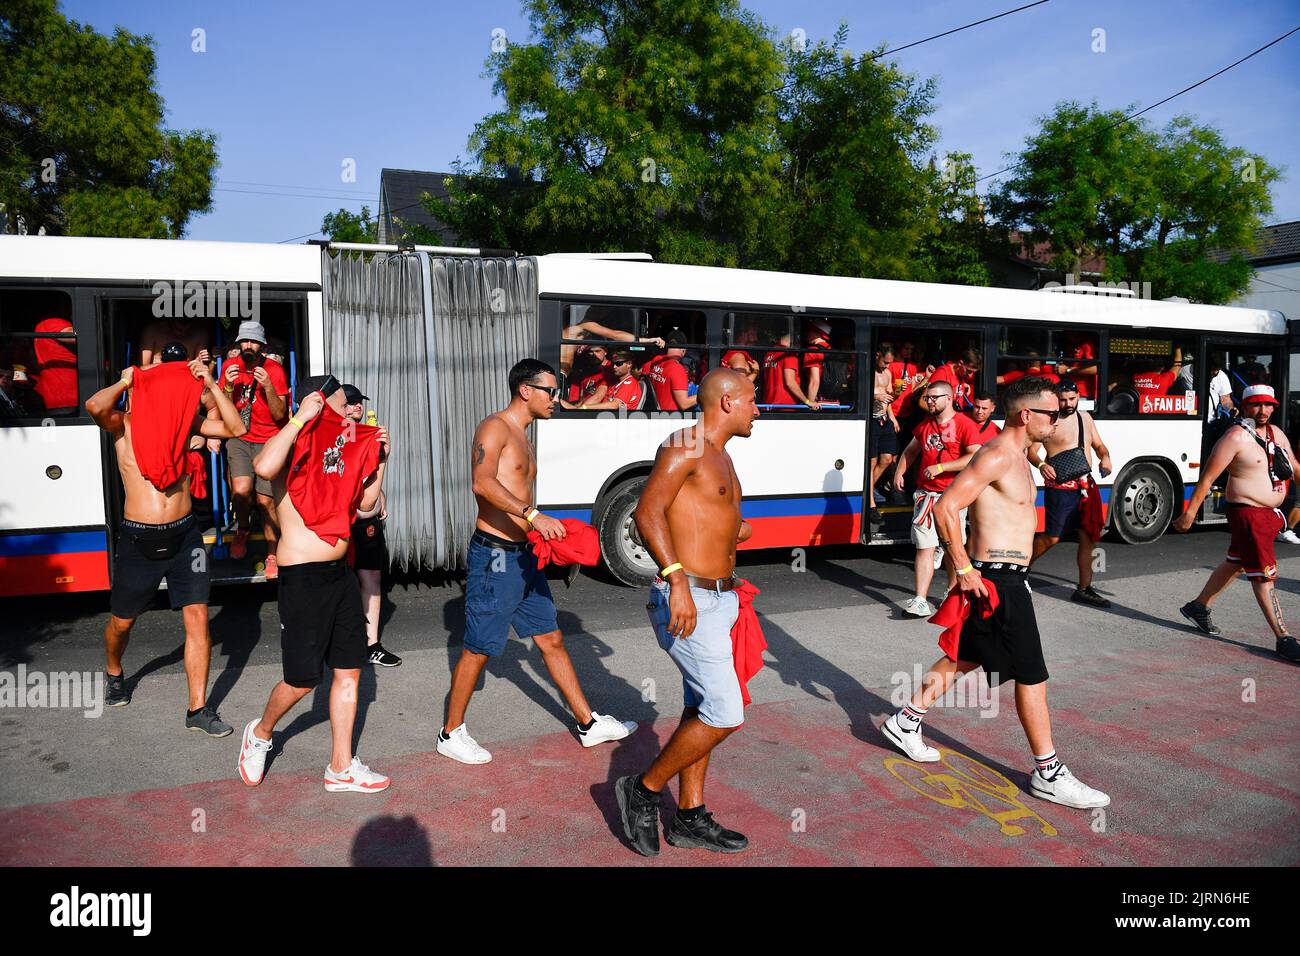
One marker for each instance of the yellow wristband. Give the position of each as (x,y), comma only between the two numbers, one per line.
(125,383)
(670,569)
(966,570)
(939,465)
(531,515)
(294,421)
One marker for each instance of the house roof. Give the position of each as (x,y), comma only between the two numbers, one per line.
(1273,244)
(400,193)
(1040,254)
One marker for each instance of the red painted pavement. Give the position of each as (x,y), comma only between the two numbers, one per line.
(1196,777)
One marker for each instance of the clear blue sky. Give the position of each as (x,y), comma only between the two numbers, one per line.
(292,89)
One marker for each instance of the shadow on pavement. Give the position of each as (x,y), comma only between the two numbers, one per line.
(391,841)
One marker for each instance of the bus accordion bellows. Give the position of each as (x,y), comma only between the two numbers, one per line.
(430,336)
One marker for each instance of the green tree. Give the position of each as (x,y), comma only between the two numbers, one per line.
(1152,202)
(345,226)
(82,147)
(960,246)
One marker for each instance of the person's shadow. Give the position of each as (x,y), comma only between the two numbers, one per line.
(391,841)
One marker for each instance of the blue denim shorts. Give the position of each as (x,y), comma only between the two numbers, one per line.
(504,586)
(709,681)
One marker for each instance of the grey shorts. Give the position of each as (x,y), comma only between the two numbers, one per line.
(709,681)
(924,532)
(240,455)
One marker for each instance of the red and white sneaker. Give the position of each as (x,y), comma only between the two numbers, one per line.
(358,778)
(272,568)
(252,755)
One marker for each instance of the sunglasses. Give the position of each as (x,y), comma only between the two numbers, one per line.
(621,364)
(550,390)
(933,398)
(1053,413)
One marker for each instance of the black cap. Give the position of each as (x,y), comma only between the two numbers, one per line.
(1066,385)
(174,352)
(353,395)
(306,386)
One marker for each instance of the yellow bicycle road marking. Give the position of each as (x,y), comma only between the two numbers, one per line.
(960,781)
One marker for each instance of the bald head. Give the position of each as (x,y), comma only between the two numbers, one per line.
(723,381)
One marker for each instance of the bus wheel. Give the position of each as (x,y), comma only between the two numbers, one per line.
(1142,504)
(627,558)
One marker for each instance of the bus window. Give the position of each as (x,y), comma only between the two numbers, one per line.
(828,364)
(1153,376)
(586,324)
(38,355)
(1052,355)
(1245,368)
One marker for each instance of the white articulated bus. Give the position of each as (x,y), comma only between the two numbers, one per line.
(431,333)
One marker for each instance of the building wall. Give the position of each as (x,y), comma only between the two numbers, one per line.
(1274,287)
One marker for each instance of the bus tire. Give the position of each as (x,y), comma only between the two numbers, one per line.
(626,557)
(1142,503)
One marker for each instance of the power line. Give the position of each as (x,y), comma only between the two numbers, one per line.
(1147,109)
(259,192)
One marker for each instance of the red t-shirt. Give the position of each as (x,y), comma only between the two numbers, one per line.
(985,431)
(261,426)
(816,358)
(904,375)
(592,383)
(942,443)
(774,366)
(726,359)
(666,375)
(332,458)
(1151,386)
(962,391)
(1086,383)
(627,391)
(1039,372)
(56,367)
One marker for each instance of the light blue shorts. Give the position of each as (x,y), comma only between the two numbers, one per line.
(709,681)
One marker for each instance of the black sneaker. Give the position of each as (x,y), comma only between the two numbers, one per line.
(1199,615)
(640,816)
(1089,596)
(209,722)
(1288,648)
(116,693)
(875,517)
(382,657)
(705,833)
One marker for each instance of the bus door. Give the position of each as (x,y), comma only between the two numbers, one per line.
(920,347)
(52,522)
(1233,364)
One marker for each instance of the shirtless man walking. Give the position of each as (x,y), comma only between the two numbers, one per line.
(998,487)
(321,617)
(1256,488)
(160,539)
(1071,446)
(503,585)
(689,518)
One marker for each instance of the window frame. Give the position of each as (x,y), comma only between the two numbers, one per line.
(86,364)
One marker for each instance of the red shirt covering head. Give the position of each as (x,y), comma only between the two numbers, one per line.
(1084,350)
(943,443)
(246,391)
(667,374)
(747,640)
(56,366)
(774,367)
(164,401)
(580,545)
(954,612)
(332,458)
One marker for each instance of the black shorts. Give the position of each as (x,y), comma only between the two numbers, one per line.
(1061,510)
(369,550)
(884,440)
(321,621)
(146,554)
(1006,644)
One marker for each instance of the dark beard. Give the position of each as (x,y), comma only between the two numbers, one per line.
(1067,412)
(249,357)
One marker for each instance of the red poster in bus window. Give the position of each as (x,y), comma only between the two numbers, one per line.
(332,458)
(56,367)
(775,365)
(164,401)
(1152,389)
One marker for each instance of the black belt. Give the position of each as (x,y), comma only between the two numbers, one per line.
(179,523)
(711,584)
(493,541)
(1000,566)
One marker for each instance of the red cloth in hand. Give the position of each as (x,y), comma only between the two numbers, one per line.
(955,610)
(164,401)
(197,466)
(747,641)
(1090,519)
(332,458)
(580,545)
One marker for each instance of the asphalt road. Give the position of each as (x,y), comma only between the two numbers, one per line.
(1190,735)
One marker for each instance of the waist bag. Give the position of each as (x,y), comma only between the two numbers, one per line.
(159,543)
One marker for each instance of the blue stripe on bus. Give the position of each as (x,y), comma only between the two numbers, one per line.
(69,542)
(578,513)
(801,507)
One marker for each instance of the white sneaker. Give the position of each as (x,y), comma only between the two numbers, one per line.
(252,755)
(358,778)
(459,745)
(938,558)
(919,607)
(908,741)
(605,728)
(1289,536)
(1068,790)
